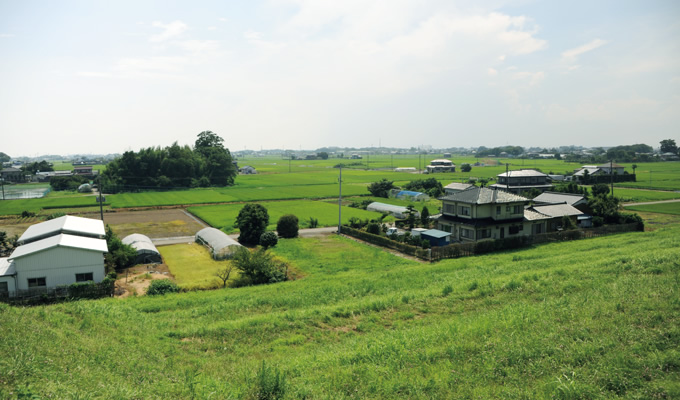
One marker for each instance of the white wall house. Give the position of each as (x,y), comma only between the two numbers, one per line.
(48,257)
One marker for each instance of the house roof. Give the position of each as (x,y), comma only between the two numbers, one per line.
(63,240)
(477,195)
(557,210)
(66,224)
(557,198)
(6,267)
(441,161)
(436,233)
(523,173)
(530,215)
(613,165)
(10,169)
(591,171)
(457,186)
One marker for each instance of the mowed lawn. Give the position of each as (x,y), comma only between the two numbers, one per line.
(193,267)
(662,208)
(223,216)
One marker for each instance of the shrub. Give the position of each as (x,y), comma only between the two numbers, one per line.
(313,222)
(162,286)
(268,239)
(55,215)
(27,214)
(270,384)
(287,227)
(373,228)
(259,266)
(381,188)
(466,168)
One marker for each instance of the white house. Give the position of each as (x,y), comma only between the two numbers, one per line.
(59,252)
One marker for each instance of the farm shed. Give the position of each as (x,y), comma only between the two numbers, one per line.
(436,237)
(411,195)
(7,277)
(396,211)
(147,253)
(68,224)
(221,245)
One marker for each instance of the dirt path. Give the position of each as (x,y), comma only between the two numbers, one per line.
(651,202)
(136,280)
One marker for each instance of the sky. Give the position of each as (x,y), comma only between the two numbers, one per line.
(100,77)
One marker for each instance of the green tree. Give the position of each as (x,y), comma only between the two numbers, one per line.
(288,226)
(268,239)
(466,167)
(218,162)
(252,221)
(42,166)
(322,155)
(120,255)
(600,189)
(373,228)
(4,157)
(668,146)
(224,272)
(425,217)
(381,188)
(259,266)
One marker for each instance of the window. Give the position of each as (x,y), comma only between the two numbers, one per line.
(517,210)
(464,210)
(513,230)
(498,210)
(37,282)
(449,209)
(85,277)
(507,208)
(485,233)
(467,233)
(4,290)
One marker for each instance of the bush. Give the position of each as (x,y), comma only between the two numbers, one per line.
(55,215)
(161,287)
(466,168)
(259,266)
(268,239)
(313,222)
(373,228)
(381,188)
(287,227)
(27,214)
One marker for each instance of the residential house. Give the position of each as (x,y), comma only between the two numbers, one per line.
(554,214)
(575,200)
(482,213)
(12,175)
(85,170)
(247,170)
(520,181)
(454,187)
(612,168)
(440,166)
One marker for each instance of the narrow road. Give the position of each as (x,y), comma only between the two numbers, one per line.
(651,202)
(305,233)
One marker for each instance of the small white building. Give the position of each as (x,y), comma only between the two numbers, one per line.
(440,166)
(54,253)
(396,211)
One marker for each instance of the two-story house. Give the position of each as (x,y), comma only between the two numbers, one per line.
(440,166)
(520,181)
(481,213)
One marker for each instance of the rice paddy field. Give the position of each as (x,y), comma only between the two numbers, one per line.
(223,216)
(596,319)
(661,208)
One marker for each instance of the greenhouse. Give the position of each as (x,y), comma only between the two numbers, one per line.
(220,244)
(146,251)
(396,211)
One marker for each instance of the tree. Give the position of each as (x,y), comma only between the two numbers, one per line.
(634,166)
(259,266)
(223,273)
(218,163)
(7,244)
(268,239)
(120,255)
(322,155)
(252,221)
(373,228)
(42,166)
(669,146)
(4,157)
(288,226)
(431,186)
(600,189)
(411,216)
(381,188)
(466,167)
(425,217)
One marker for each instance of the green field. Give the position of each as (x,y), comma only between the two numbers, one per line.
(662,208)
(638,195)
(223,216)
(192,266)
(595,318)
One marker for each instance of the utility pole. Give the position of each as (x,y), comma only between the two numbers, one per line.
(101,198)
(507,178)
(611,176)
(289,159)
(2,182)
(340,202)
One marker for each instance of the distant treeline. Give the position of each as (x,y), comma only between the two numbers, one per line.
(496,151)
(630,153)
(209,163)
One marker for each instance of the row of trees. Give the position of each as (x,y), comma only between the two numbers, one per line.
(209,163)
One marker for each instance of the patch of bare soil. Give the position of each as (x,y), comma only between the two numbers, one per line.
(152,223)
(134,281)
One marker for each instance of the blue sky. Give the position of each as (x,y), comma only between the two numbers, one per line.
(110,76)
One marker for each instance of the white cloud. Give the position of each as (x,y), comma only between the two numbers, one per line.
(491,72)
(170,30)
(252,35)
(571,54)
(6,35)
(198,46)
(211,28)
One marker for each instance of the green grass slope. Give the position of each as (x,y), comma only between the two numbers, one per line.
(593,319)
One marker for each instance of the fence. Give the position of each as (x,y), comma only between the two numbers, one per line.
(52,295)
(487,246)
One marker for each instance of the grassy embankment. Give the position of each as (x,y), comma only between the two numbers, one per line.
(595,318)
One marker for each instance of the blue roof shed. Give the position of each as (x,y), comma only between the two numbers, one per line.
(437,237)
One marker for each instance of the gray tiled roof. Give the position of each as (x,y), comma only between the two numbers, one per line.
(557,210)
(477,195)
(522,173)
(557,198)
